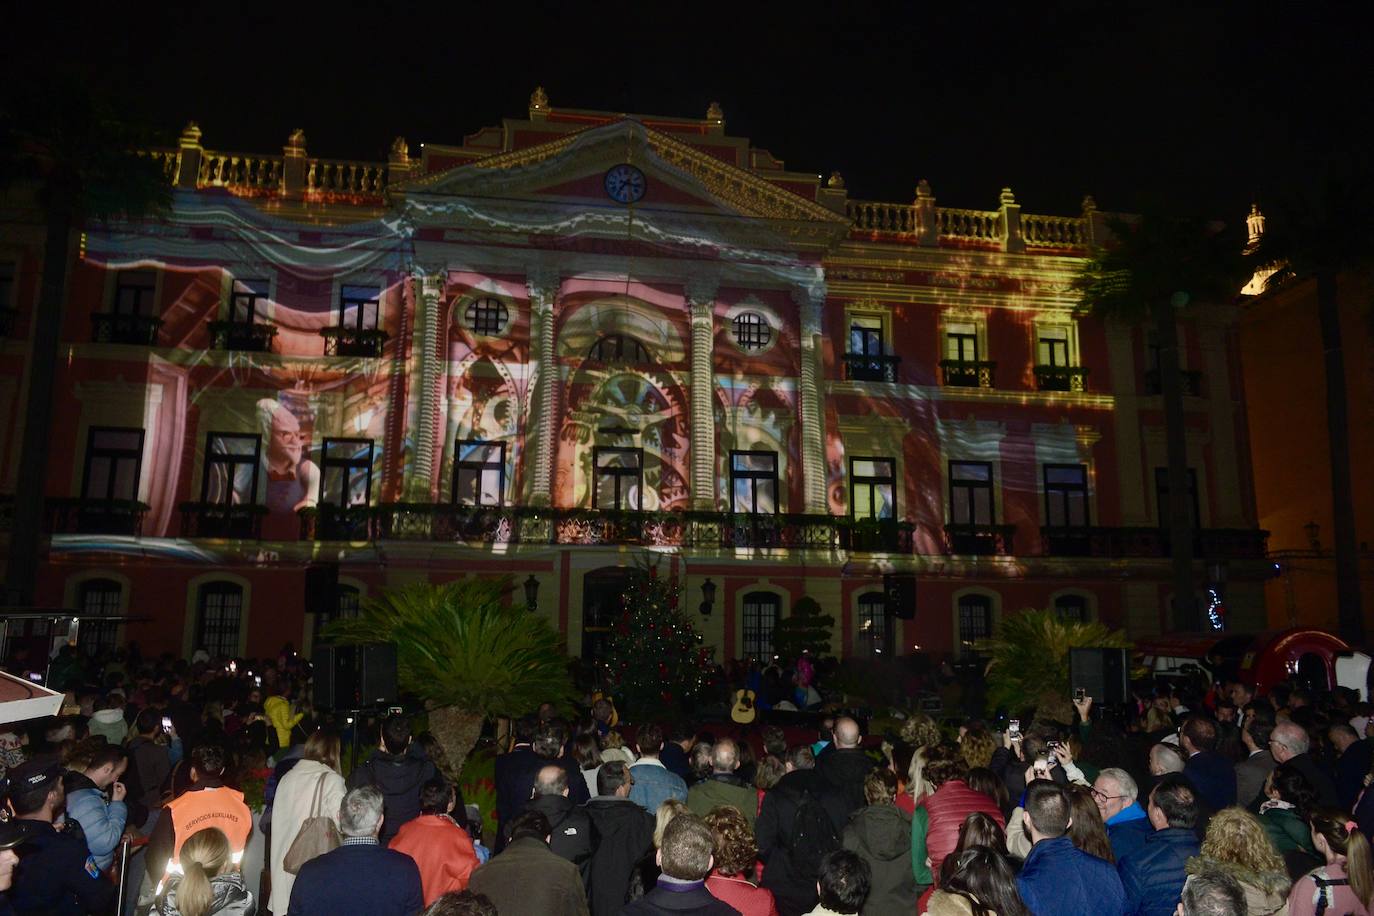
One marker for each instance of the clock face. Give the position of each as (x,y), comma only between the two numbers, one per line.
(625,184)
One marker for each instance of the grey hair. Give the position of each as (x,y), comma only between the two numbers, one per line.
(725,756)
(1213,893)
(267,413)
(1292,736)
(360,813)
(1124,781)
(1170,758)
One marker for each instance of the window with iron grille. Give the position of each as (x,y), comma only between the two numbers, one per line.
(1066,495)
(220,613)
(975,621)
(134,292)
(619,478)
(752,331)
(875,625)
(231,469)
(479,473)
(98,598)
(487,315)
(619,348)
(761,611)
(346,472)
(113,456)
(358,307)
(754,482)
(970,493)
(347,604)
(248,301)
(872,488)
(1071,608)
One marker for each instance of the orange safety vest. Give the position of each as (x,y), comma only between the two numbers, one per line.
(220,807)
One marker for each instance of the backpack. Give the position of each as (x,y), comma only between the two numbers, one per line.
(812,837)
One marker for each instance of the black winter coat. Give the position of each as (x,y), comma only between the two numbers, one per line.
(571,834)
(624,837)
(773,831)
(400,777)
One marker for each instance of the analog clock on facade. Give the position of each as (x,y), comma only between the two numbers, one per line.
(625,184)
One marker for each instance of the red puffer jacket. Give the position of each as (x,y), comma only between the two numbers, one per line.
(947,807)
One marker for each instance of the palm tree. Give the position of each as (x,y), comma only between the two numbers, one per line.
(1326,235)
(1154,267)
(80,159)
(1029,656)
(465,652)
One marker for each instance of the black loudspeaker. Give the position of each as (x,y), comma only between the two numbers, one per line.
(322,590)
(900,593)
(354,677)
(1104,674)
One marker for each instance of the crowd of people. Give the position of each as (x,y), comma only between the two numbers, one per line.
(210,787)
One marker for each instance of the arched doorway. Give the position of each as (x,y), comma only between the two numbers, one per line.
(603,592)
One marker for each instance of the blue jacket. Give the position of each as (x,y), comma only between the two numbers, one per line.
(1214,778)
(1153,875)
(654,785)
(102,823)
(358,879)
(1059,879)
(1127,830)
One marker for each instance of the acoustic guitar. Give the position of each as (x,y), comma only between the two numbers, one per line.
(744,710)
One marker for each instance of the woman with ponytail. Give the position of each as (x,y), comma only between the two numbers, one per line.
(1344,886)
(209,885)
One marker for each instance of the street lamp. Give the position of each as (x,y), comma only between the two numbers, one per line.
(531,593)
(708,597)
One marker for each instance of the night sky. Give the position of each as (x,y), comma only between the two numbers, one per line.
(1198,106)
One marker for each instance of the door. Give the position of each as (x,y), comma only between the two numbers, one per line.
(603,593)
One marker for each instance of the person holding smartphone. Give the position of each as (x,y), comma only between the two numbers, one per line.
(98,768)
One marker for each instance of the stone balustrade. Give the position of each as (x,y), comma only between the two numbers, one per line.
(336,176)
(239,172)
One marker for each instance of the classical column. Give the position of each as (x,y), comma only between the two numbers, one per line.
(425,341)
(701,301)
(543,291)
(811,299)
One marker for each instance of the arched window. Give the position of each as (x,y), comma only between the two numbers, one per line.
(1071,608)
(761,611)
(98,598)
(619,348)
(875,626)
(752,331)
(486,316)
(219,614)
(975,621)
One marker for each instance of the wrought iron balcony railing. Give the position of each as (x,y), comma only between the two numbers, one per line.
(967,373)
(78,515)
(1061,378)
(139,330)
(1191,380)
(344,341)
(859,367)
(217,520)
(980,540)
(8,317)
(1208,543)
(254,337)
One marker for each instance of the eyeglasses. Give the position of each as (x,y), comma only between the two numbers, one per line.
(1103,796)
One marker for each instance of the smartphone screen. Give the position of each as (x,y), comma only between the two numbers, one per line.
(1014,728)
(1080,694)
(166,723)
(35,677)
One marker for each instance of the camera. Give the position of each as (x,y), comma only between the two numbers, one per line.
(1052,745)
(1080,695)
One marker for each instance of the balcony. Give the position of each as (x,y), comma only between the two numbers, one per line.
(217,520)
(1208,543)
(1191,380)
(78,515)
(885,535)
(335,523)
(967,373)
(8,317)
(1061,378)
(859,367)
(342,341)
(980,540)
(252,337)
(138,330)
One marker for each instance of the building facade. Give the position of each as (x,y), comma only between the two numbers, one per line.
(580,338)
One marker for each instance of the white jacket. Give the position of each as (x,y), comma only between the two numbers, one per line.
(290,808)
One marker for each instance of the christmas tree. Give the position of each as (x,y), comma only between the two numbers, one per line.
(655,662)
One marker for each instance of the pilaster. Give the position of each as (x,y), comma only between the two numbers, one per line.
(419,485)
(811,298)
(701,300)
(543,289)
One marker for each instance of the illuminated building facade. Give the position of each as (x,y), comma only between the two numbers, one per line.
(578,336)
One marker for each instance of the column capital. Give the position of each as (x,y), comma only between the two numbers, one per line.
(810,297)
(543,284)
(701,290)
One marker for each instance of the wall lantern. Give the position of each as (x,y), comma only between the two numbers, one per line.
(708,597)
(531,593)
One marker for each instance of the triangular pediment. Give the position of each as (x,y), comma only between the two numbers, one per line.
(570,169)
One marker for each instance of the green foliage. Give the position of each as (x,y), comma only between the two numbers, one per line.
(1030,655)
(478,783)
(655,661)
(458,644)
(806,628)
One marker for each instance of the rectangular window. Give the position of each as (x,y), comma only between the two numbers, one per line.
(875,625)
(1054,347)
(1071,608)
(358,307)
(113,457)
(961,342)
(134,292)
(231,469)
(248,301)
(872,488)
(1066,495)
(479,473)
(754,482)
(619,478)
(98,598)
(760,617)
(220,613)
(346,472)
(866,337)
(970,493)
(1162,496)
(975,621)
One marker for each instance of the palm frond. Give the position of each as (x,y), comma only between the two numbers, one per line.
(1029,654)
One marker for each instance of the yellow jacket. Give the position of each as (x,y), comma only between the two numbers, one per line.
(278,712)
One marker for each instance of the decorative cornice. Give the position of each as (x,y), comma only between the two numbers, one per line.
(701,289)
